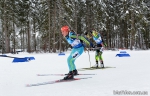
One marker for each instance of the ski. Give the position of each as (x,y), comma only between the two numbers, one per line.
(95,68)
(60,74)
(55,81)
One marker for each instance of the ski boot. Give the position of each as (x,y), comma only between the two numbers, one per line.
(69,76)
(75,72)
(96,65)
(102,64)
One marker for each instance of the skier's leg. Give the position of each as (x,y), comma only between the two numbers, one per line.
(101,60)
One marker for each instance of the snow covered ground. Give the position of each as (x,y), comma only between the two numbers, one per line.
(128,75)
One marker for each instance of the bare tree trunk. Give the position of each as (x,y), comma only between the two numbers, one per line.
(49,27)
(75,17)
(23,40)
(60,22)
(132,32)
(139,39)
(54,45)
(34,34)
(14,38)
(87,16)
(132,29)
(5,30)
(2,39)
(28,34)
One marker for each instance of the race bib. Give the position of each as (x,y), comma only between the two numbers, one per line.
(98,40)
(75,42)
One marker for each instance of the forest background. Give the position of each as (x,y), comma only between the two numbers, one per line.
(34,25)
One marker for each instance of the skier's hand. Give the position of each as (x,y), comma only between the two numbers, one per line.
(102,49)
(85,49)
(94,46)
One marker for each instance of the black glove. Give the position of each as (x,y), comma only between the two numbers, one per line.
(93,46)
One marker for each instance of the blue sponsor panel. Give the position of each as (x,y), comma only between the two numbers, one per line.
(61,54)
(20,60)
(123,54)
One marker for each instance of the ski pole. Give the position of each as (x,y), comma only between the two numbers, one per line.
(8,56)
(57,40)
(89,58)
(70,26)
(68,23)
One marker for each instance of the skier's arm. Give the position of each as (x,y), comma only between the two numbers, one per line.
(83,39)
